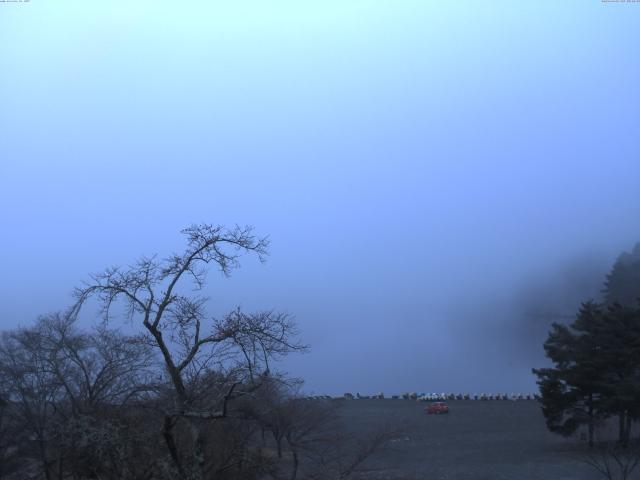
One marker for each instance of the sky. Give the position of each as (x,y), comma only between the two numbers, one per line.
(437,179)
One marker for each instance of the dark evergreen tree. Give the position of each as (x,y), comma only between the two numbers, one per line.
(619,356)
(571,393)
(623,282)
(596,371)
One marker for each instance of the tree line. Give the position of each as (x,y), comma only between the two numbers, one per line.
(187,396)
(596,360)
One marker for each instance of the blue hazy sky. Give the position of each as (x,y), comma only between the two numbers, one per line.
(428,171)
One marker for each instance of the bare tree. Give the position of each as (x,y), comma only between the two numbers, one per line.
(309,437)
(163,295)
(32,393)
(343,455)
(9,460)
(63,388)
(100,404)
(94,369)
(614,462)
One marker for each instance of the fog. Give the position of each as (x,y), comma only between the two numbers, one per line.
(439,181)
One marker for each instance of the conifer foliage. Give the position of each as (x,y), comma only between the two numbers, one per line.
(596,359)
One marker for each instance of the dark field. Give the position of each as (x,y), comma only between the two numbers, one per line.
(477,440)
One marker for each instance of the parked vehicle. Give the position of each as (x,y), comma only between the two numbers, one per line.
(437,408)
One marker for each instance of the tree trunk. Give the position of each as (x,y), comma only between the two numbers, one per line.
(294,472)
(167,433)
(621,428)
(60,465)
(198,449)
(624,427)
(43,459)
(591,421)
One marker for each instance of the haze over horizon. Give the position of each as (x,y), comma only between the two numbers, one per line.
(437,180)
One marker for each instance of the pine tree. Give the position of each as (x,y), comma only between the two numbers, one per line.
(619,354)
(596,371)
(622,284)
(571,392)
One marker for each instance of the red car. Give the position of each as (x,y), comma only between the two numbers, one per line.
(437,408)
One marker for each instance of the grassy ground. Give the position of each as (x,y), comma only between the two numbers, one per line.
(478,440)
